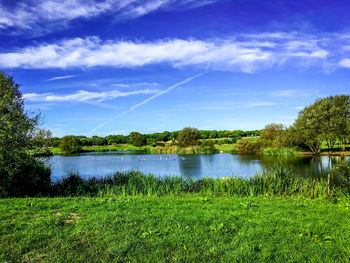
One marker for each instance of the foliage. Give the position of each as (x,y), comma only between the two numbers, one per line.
(247,146)
(188,137)
(137,139)
(275,182)
(20,174)
(326,120)
(69,145)
(207,143)
(279,152)
(271,135)
(174,149)
(221,137)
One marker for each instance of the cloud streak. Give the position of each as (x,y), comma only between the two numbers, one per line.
(62,77)
(83,96)
(149,99)
(46,15)
(163,92)
(246,53)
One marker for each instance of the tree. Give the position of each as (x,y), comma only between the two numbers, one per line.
(69,145)
(325,120)
(20,174)
(137,139)
(189,137)
(271,135)
(42,139)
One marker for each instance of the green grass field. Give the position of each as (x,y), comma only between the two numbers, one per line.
(226,148)
(107,148)
(189,228)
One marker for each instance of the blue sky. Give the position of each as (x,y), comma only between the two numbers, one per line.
(111,67)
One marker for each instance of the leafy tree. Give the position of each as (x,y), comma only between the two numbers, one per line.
(20,174)
(271,135)
(138,139)
(189,137)
(213,134)
(325,120)
(42,138)
(54,141)
(69,145)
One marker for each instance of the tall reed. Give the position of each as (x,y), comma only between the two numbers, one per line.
(278,182)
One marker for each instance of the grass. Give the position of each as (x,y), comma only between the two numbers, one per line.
(187,228)
(226,148)
(121,147)
(106,148)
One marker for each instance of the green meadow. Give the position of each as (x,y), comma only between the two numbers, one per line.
(186,228)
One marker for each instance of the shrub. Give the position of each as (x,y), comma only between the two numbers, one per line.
(69,145)
(246,146)
(189,137)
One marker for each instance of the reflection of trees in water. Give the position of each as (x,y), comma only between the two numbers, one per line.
(190,166)
(308,166)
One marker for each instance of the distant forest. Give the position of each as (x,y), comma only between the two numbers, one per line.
(219,137)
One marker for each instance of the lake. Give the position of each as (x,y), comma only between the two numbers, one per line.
(193,166)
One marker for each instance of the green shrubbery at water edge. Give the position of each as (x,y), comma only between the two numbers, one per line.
(183,150)
(278,182)
(280,152)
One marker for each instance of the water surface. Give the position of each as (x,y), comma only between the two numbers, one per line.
(193,166)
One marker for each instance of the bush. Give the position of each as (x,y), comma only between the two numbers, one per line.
(245,146)
(208,143)
(69,145)
(28,177)
(189,137)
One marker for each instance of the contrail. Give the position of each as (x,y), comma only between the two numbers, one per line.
(149,99)
(162,92)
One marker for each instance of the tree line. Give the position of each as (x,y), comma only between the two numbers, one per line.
(135,138)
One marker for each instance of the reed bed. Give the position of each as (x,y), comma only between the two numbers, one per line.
(278,182)
(279,152)
(183,150)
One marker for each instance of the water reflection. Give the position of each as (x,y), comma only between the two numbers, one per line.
(190,166)
(194,166)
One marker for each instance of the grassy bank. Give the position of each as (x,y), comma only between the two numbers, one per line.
(226,148)
(106,148)
(189,228)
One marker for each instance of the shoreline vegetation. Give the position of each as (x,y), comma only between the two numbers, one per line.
(223,148)
(275,182)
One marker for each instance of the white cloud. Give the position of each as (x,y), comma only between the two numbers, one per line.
(61,77)
(83,96)
(246,54)
(128,85)
(345,63)
(260,104)
(288,93)
(45,15)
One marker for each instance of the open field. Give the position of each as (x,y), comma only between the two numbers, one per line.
(191,228)
(226,148)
